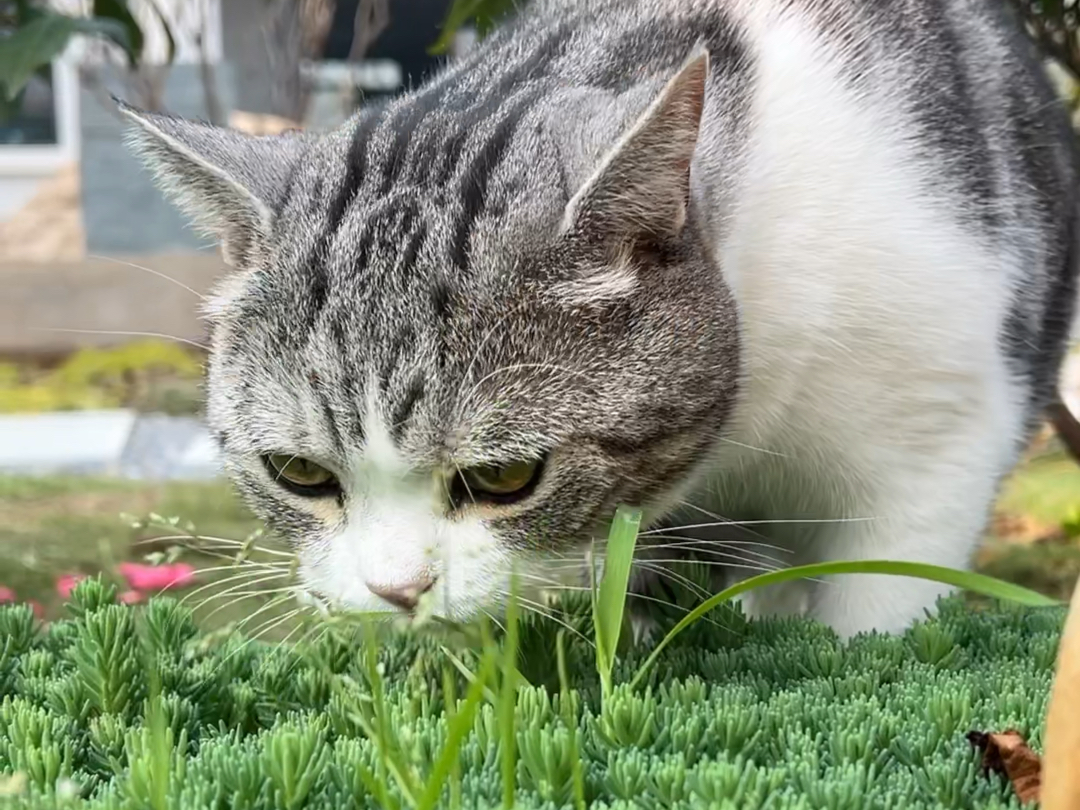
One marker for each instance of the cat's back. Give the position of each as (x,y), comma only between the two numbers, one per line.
(955,79)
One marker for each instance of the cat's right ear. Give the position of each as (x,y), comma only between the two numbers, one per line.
(229,183)
(641,190)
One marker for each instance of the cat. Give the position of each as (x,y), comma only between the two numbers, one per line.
(806,267)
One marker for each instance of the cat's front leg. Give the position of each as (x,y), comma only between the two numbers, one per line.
(938,520)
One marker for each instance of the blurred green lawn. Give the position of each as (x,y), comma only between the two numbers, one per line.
(1045,492)
(57,525)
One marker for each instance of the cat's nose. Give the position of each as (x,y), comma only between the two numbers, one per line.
(405,595)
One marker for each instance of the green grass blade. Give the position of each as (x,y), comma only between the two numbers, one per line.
(577,772)
(161,753)
(610,599)
(458,727)
(388,752)
(968,580)
(508,698)
(462,667)
(450,699)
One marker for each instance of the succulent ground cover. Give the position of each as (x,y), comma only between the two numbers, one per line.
(123,706)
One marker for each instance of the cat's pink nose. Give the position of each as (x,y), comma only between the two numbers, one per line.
(404,596)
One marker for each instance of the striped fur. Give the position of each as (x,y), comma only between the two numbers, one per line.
(809,261)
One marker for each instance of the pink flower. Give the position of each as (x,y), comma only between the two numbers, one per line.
(66,584)
(130,597)
(6,595)
(157,577)
(35,606)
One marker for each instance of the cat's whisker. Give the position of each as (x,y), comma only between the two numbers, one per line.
(302,638)
(763,522)
(271,624)
(464,481)
(226,658)
(546,611)
(246,580)
(558,586)
(726,520)
(680,608)
(494,619)
(767,452)
(244,568)
(254,635)
(231,599)
(241,565)
(121,333)
(715,549)
(152,272)
(744,565)
(283,467)
(276,602)
(196,545)
(703,510)
(239,595)
(674,576)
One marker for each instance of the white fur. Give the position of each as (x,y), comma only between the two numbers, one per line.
(870,325)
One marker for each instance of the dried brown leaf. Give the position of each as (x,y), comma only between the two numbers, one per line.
(1008,753)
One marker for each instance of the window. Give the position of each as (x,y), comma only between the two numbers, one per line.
(35,122)
(44,134)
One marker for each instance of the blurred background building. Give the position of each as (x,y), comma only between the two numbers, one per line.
(70,194)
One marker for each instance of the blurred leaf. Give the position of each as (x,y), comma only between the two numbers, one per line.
(31,47)
(483,13)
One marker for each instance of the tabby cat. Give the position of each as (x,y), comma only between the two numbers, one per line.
(804,268)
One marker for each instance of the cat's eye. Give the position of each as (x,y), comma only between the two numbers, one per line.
(500,484)
(301,475)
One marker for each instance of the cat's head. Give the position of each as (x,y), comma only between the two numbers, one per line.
(458,334)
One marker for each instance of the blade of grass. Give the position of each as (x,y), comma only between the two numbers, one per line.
(461,724)
(577,774)
(609,599)
(378,788)
(450,699)
(461,667)
(160,748)
(970,581)
(388,753)
(508,698)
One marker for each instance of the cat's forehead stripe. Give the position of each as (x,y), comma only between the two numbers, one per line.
(476,178)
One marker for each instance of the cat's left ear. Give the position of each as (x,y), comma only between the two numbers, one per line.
(641,190)
(229,183)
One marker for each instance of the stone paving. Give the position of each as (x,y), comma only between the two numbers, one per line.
(111,443)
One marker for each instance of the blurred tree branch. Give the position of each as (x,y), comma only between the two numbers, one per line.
(372,18)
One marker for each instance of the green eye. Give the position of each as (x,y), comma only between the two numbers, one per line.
(300,474)
(501,482)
